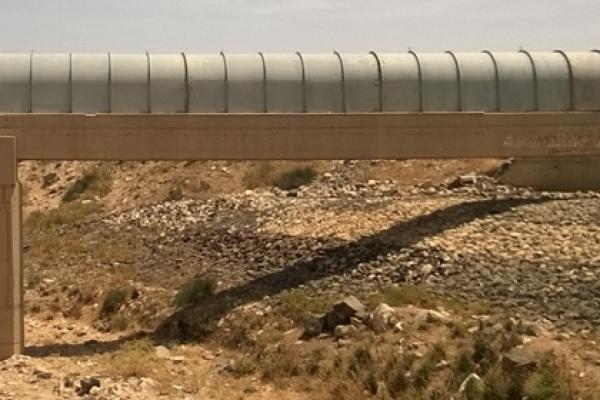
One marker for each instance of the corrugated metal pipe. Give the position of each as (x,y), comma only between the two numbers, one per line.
(299,83)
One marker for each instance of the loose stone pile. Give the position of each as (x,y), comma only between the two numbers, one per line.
(472,238)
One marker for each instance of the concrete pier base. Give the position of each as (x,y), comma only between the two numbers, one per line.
(11,287)
(558,173)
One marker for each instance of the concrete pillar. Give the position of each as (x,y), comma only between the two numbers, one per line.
(11,280)
(558,173)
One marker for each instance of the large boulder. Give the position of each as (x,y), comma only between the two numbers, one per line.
(519,360)
(313,325)
(349,307)
(343,312)
(383,318)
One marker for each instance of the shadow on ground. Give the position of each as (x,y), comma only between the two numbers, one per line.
(197,321)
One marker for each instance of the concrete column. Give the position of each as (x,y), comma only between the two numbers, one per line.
(11,286)
(558,173)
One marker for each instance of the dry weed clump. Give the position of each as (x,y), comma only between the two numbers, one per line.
(195,291)
(297,304)
(378,367)
(113,300)
(295,178)
(242,366)
(399,296)
(136,359)
(282,174)
(95,182)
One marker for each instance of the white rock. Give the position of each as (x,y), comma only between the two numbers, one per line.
(383,318)
(398,327)
(426,269)
(437,317)
(162,352)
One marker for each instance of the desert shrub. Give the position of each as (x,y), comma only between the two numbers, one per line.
(395,374)
(423,373)
(113,299)
(242,366)
(296,304)
(461,368)
(549,382)
(501,385)
(295,178)
(484,352)
(285,362)
(135,359)
(196,290)
(426,367)
(94,182)
(398,296)
(362,368)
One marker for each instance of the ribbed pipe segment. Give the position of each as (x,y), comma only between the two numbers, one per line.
(300,83)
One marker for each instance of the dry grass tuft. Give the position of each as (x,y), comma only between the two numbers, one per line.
(95,182)
(399,296)
(297,304)
(136,359)
(195,291)
(242,366)
(113,300)
(295,178)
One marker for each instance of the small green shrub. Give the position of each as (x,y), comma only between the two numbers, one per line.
(94,182)
(399,296)
(242,366)
(437,353)
(484,352)
(501,385)
(362,368)
(426,367)
(113,299)
(395,374)
(423,373)
(195,291)
(286,361)
(461,368)
(136,358)
(548,382)
(360,361)
(295,178)
(297,304)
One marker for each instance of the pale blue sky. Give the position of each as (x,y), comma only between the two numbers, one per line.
(306,25)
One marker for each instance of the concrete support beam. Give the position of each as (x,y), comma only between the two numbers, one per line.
(564,173)
(302,136)
(11,287)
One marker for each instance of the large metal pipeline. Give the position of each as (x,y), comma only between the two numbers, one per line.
(299,83)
